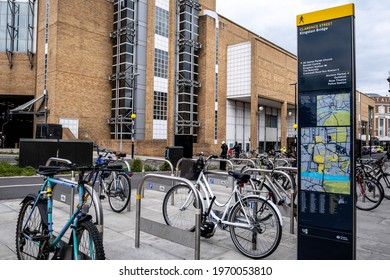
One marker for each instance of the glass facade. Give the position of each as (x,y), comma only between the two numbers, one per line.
(160,105)
(16,21)
(187,72)
(123,77)
(17,27)
(160,63)
(161,23)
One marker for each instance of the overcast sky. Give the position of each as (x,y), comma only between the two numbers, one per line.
(275,21)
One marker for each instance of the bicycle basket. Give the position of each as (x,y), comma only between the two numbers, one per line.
(188,169)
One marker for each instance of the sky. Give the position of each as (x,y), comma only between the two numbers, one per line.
(275,21)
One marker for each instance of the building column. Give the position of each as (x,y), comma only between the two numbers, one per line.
(254,97)
(283,126)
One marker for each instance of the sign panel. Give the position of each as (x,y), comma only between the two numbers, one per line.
(326,121)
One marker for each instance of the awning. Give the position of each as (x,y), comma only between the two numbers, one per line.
(28,107)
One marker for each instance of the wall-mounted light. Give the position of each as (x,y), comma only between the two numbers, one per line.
(261,108)
(289,114)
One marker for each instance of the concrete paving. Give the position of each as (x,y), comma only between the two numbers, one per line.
(373,234)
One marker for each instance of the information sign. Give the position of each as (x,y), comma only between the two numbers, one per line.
(326,121)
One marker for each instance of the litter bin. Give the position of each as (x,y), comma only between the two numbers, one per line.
(174,154)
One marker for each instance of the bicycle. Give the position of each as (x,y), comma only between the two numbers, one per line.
(369,193)
(255,224)
(35,236)
(114,184)
(376,170)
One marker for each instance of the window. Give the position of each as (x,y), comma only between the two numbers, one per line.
(161,22)
(160,63)
(15,20)
(215,125)
(271,121)
(216,87)
(381,127)
(363,131)
(160,105)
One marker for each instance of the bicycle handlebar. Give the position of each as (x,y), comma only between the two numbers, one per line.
(53,170)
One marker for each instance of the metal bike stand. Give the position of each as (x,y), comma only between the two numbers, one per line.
(164,231)
(246,160)
(229,178)
(66,161)
(291,190)
(95,198)
(156,160)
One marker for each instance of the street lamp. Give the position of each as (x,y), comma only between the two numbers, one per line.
(133,116)
(261,109)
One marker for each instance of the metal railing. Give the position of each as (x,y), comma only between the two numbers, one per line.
(292,192)
(157,160)
(165,231)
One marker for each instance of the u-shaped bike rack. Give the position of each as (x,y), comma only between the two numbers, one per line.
(165,231)
(95,198)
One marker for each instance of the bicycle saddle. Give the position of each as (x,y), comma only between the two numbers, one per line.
(120,154)
(243,177)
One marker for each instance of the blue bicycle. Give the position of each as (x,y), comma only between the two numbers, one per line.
(35,237)
(110,182)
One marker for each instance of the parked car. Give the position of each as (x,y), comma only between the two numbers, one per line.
(379,149)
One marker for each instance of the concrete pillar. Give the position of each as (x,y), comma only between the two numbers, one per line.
(283,126)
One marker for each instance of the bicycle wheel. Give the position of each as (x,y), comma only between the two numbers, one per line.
(179,207)
(90,243)
(369,194)
(33,247)
(119,191)
(265,232)
(384,181)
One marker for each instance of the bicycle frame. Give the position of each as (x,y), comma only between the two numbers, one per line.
(47,189)
(206,192)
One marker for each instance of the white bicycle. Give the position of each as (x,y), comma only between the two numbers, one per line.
(255,223)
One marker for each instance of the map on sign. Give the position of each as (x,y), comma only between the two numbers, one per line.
(325,159)
(333,110)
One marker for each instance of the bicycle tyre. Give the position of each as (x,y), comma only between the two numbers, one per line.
(28,249)
(264,238)
(369,194)
(119,191)
(173,212)
(384,181)
(90,243)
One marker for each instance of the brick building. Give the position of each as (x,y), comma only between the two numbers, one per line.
(381,119)
(156,72)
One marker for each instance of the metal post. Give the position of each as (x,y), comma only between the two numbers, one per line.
(121,125)
(133,116)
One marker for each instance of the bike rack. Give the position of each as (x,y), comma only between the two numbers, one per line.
(157,160)
(172,234)
(246,160)
(276,171)
(95,198)
(224,173)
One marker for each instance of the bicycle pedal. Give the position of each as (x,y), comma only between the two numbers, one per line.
(40,237)
(102,196)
